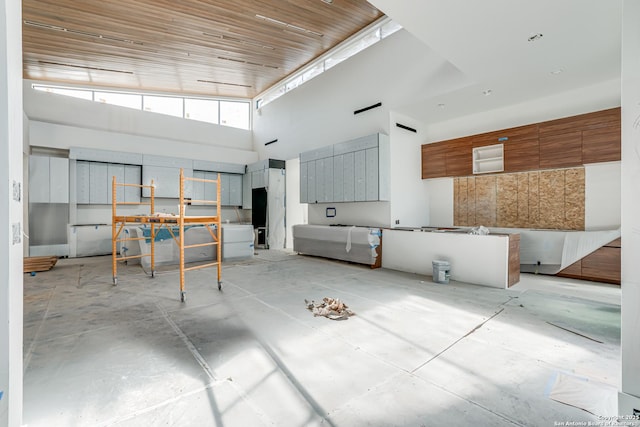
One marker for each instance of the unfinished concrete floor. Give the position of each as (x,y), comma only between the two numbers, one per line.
(416,353)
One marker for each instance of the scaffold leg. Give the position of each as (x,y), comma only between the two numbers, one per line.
(115,280)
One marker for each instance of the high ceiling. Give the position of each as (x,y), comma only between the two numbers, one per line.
(235,48)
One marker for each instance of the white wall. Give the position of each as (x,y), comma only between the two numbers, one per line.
(409,194)
(602,202)
(320,112)
(440,191)
(64,136)
(375,214)
(630,344)
(11,213)
(296,211)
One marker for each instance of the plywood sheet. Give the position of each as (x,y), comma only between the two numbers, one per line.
(471,201)
(507,200)
(551,187)
(456,201)
(523,200)
(486,201)
(574,199)
(534,199)
(462,201)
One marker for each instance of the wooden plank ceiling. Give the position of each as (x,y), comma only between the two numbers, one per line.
(234,48)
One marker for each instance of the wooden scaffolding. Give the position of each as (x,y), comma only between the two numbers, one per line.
(157,221)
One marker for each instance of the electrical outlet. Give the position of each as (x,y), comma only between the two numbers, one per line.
(636,412)
(17,191)
(17,233)
(397,222)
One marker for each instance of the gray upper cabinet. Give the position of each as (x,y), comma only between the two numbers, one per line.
(235,190)
(338,178)
(356,170)
(83,176)
(230,188)
(303,182)
(359,164)
(99,183)
(48,179)
(94,182)
(118,172)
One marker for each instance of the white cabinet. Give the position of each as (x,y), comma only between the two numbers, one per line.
(224,189)
(48,179)
(356,170)
(488,159)
(166,180)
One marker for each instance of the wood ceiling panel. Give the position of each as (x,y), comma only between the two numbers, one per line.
(169,45)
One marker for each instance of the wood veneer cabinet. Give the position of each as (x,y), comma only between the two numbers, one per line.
(602,265)
(567,142)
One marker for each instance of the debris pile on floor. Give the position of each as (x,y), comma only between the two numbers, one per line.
(331,308)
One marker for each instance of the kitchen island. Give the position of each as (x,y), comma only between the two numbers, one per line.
(490,260)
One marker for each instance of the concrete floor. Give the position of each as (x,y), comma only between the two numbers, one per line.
(416,354)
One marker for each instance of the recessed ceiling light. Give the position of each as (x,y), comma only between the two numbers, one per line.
(558,71)
(487,92)
(328,1)
(440,105)
(534,37)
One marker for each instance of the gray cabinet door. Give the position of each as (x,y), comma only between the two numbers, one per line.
(235,190)
(338,178)
(58,180)
(98,183)
(320,181)
(118,172)
(224,189)
(371,171)
(359,167)
(311,182)
(132,174)
(38,179)
(83,178)
(349,177)
(197,187)
(210,188)
(303,182)
(327,194)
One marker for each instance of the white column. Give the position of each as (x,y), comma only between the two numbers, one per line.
(629,397)
(11,213)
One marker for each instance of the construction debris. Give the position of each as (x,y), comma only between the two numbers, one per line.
(331,308)
(38,263)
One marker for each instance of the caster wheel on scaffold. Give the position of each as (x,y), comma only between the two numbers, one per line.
(219,286)
(183,296)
